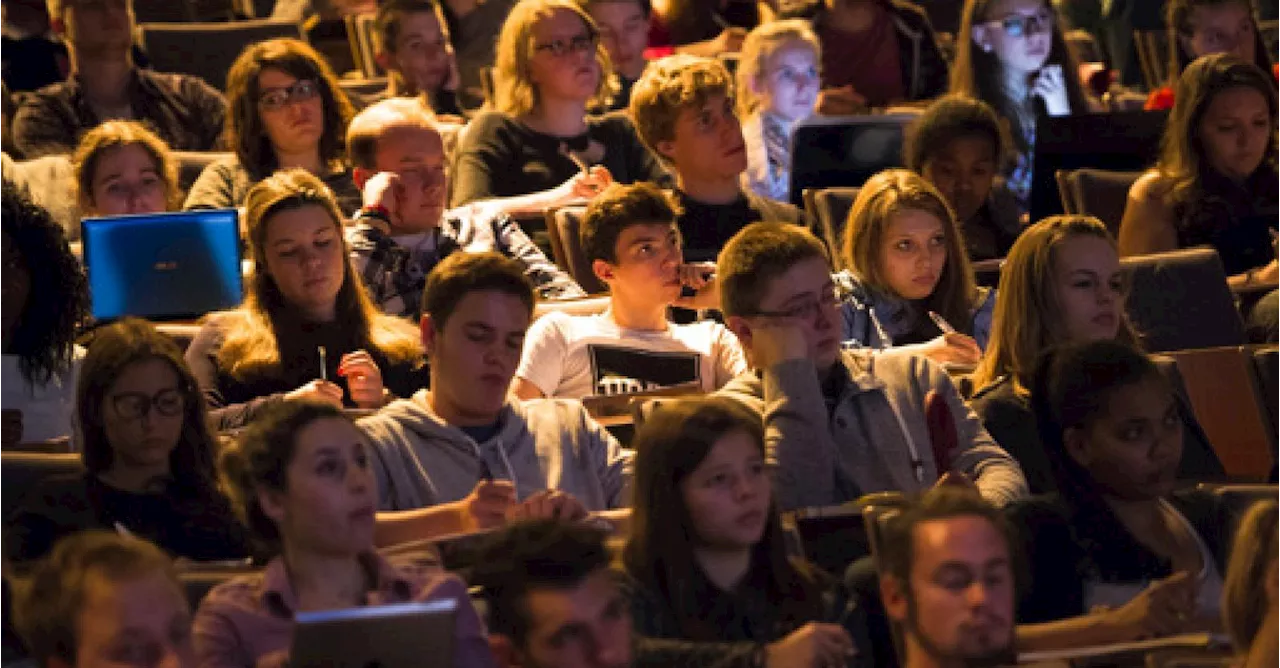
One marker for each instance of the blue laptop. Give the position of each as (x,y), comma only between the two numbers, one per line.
(165,266)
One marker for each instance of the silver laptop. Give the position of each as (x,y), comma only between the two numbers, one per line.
(402,635)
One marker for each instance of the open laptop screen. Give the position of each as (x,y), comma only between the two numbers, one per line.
(163,266)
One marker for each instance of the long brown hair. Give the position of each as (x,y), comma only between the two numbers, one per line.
(1026,319)
(251,346)
(881,198)
(659,554)
(247,135)
(1178,19)
(116,347)
(115,134)
(1244,600)
(977,73)
(1183,161)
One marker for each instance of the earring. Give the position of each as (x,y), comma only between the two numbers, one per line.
(987,47)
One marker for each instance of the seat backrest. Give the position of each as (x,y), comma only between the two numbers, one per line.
(1066,190)
(564,226)
(20,472)
(1102,194)
(1153,56)
(1265,363)
(1219,386)
(191,163)
(207,50)
(1179,300)
(1083,46)
(831,208)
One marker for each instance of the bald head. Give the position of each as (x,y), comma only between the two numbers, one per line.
(393,116)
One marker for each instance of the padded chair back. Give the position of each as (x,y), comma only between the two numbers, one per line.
(832,537)
(1153,56)
(207,50)
(1066,191)
(1265,369)
(360,30)
(564,226)
(183,11)
(1179,300)
(22,471)
(1219,386)
(191,163)
(831,208)
(1083,46)
(1099,193)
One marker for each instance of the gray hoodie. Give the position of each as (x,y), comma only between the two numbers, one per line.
(871,436)
(420,461)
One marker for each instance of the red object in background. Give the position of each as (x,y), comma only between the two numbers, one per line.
(942,430)
(1162,99)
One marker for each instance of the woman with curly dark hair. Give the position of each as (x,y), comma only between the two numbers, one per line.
(44,299)
(284,110)
(148,457)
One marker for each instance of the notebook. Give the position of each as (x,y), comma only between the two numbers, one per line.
(165,266)
(403,635)
(830,151)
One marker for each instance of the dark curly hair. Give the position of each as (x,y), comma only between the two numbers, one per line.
(58,300)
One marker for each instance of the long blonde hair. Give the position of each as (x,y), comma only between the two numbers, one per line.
(762,42)
(1244,602)
(881,198)
(513,88)
(251,346)
(1025,322)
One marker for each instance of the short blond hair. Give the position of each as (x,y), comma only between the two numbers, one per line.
(513,90)
(368,126)
(670,85)
(762,42)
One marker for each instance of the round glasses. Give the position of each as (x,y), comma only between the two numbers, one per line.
(136,405)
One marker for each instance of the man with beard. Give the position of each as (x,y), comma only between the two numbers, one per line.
(947,581)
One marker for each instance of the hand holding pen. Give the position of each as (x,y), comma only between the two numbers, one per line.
(952,347)
(590,180)
(319,390)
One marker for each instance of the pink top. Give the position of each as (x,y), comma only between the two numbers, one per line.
(242,620)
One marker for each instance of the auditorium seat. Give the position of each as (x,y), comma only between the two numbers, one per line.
(1179,300)
(1266,366)
(564,226)
(191,163)
(207,50)
(21,471)
(1099,193)
(831,209)
(1220,387)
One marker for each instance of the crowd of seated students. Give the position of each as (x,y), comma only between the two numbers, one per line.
(1062,283)
(387,380)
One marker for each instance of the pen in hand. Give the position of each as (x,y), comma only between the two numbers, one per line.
(942,324)
(324,372)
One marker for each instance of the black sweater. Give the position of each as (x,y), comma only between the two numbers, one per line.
(198,525)
(498,156)
(233,402)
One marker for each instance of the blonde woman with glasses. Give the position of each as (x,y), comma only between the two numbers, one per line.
(536,144)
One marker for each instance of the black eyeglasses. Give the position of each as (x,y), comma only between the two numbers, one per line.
(136,405)
(1019,25)
(807,310)
(561,48)
(301,91)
